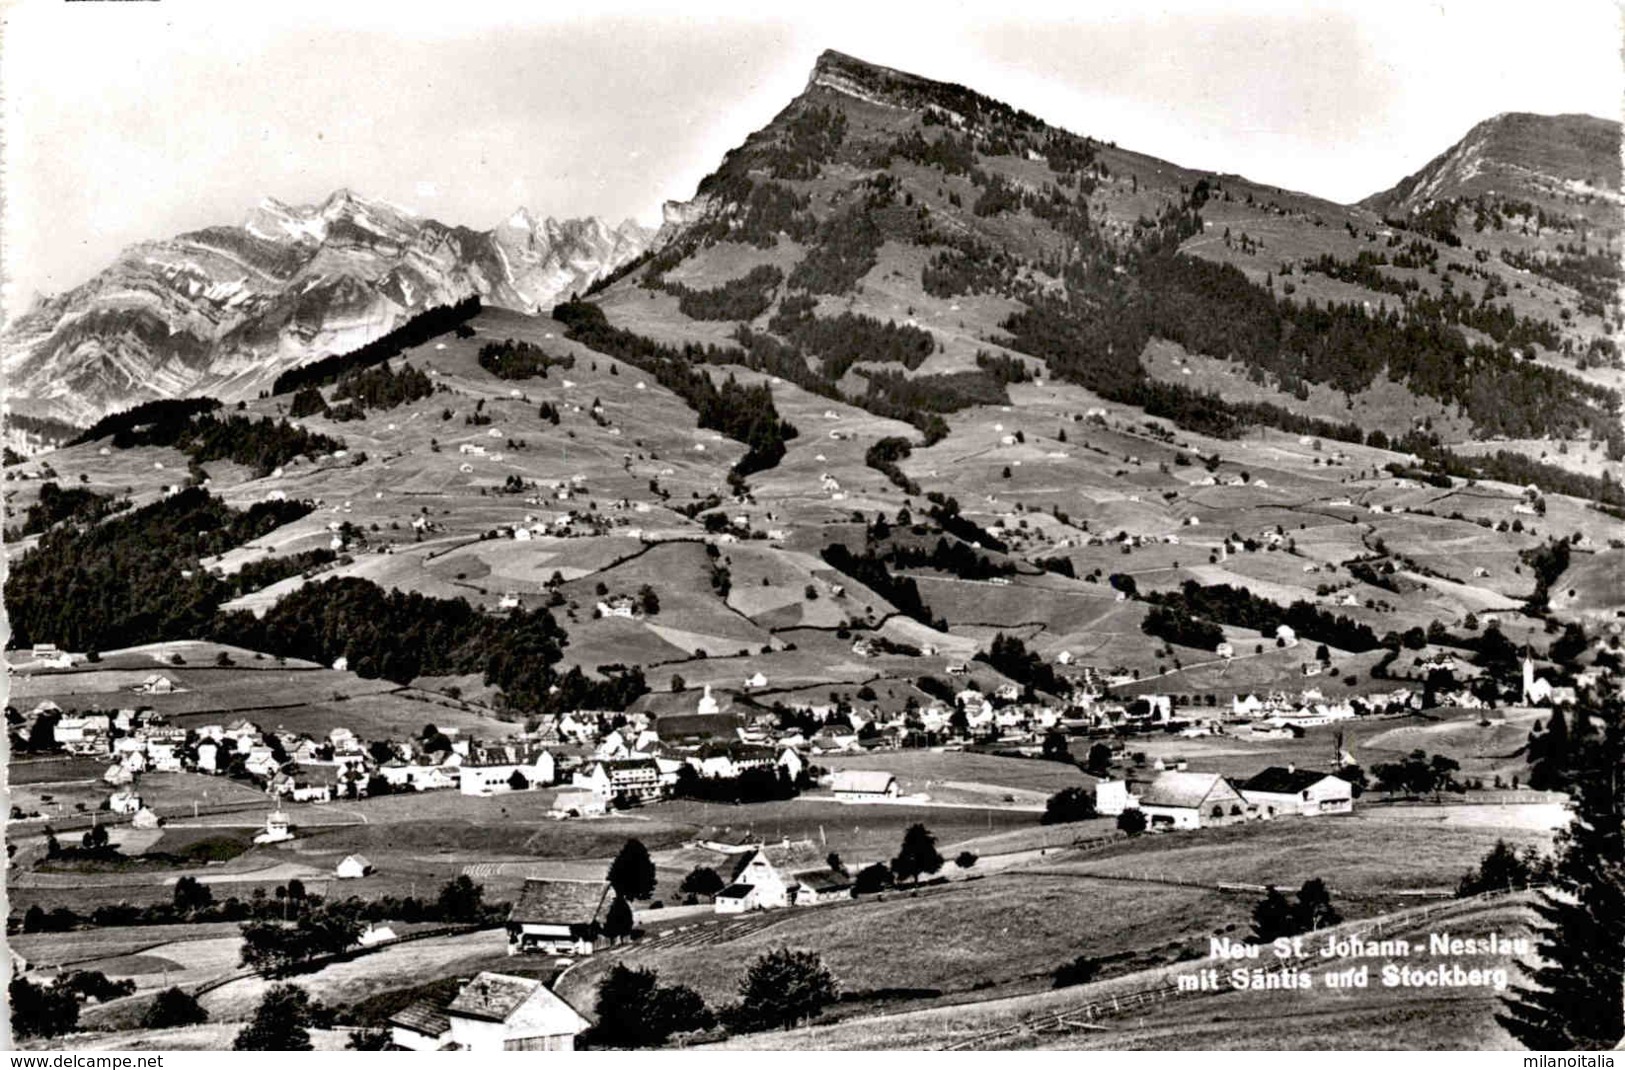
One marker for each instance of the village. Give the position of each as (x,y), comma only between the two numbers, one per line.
(609,760)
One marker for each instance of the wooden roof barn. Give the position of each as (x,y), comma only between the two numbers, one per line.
(558,917)
(492,1012)
(499,1012)
(420,1026)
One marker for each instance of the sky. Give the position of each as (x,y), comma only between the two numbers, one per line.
(130,121)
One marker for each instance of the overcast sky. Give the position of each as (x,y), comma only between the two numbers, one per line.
(126,121)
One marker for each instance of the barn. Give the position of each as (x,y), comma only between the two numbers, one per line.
(1191,800)
(861,785)
(1279,791)
(558,917)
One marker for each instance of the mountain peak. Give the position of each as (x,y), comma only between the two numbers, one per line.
(1515,150)
(859,78)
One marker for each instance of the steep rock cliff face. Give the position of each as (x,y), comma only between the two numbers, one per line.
(223,310)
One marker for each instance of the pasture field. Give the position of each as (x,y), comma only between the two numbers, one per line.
(294,696)
(344,983)
(170,794)
(932,771)
(1484,751)
(1409,849)
(45,950)
(1320,1018)
(213,1036)
(942,942)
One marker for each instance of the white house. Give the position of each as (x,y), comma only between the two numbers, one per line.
(791,762)
(157,684)
(353,867)
(638,778)
(1185,800)
(1279,791)
(1112,798)
(125,801)
(498,1012)
(162,758)
(493,777)
(277,828)
(753,885)
(863,785)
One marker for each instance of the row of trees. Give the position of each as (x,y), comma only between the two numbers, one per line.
(739,299)
(56,504)
(1241,608)
(870,570)
(509,359)
(192,426)
(416,331)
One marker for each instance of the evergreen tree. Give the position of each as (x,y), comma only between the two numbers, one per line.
(1577,992)
(1550,758)
(918,855)
(460,899)
(632,874)
(1272,917)
(618,921)
(1314,908)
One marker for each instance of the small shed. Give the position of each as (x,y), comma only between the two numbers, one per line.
(352,867)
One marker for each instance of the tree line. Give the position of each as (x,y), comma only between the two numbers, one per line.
(421,328)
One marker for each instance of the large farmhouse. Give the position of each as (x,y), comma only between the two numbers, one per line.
(558,917)
(1191,800)
(1279,791)
(753,885)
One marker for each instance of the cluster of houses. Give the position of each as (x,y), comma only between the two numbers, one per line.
(1533,690)
(1179,798)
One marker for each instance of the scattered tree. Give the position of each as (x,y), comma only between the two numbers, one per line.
(632,874)
(281,1022)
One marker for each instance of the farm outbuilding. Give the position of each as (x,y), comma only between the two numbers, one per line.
(1191,800)
(1279,791)
(558,917)
(864,784)
(498,1012)
(352,867)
